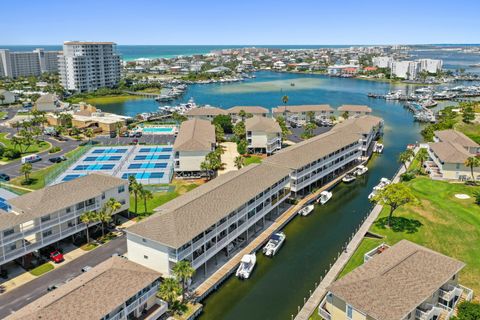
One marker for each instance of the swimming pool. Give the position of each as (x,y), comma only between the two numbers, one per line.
(157,130)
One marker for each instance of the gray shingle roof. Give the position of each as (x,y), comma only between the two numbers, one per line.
(195,135)
(354,108)
(91,295)
(248,109)
(205,111)
(303,108)
(180,220)
(394,283)
(450,152)
(456,137)
(263,124)
(360,125)
(59,196)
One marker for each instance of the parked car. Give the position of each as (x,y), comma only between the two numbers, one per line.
(4,177)
(124,134)
(57,159)
(86,269)
(54,286)
(56,256)
(137,134)
(31,158)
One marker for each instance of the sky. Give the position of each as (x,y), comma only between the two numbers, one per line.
(222,22)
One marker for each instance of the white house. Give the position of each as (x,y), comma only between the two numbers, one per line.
(264,135)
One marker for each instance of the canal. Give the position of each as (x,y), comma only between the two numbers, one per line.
(277,286)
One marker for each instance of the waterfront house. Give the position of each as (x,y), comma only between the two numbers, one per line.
(8,97)
(205,113)
(354,110)
(299,113)
(116,289)
(234,112)
(448,155)
(207,224)
(195,139)
(264,135)
(42,217)
(402,282)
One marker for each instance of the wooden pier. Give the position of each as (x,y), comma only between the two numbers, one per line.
(213,282)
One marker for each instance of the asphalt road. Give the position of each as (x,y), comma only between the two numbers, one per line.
(23,295)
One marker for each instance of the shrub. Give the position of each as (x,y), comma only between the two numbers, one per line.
(55,149)
(11,154)
(407,176)
(41,269)
(468,311)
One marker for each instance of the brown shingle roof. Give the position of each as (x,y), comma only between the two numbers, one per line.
(360,125)
(180,220)
(303,108)
(394,283)
(263,124)
(248,109)
(450,152)
(53,198)
(91,295)
(456,137)
(354,108)
(205,111)
(195,135)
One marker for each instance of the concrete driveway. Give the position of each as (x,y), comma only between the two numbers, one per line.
(228,157)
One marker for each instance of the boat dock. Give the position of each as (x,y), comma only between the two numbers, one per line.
(215,280)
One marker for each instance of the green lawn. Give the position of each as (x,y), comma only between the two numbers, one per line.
(41,269)
(252,159)
(160,198)
(111,99)
(34,148)
(89,246)
(470,130)
(440,222)
(3,114)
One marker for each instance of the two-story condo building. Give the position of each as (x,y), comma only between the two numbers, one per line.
(195,139)
(403,282)
(354,110)
(264,135)
(235,112)
(300,114)
(208,223)
(45,216)
(116,289)
(448,155)
(205,113)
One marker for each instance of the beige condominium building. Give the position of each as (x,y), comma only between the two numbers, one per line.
(195,139)
(264,135)
(116,289)
(205,113)
(42,217)
(300,113)
(235,112)
(448,155)
(206,225)
(354,110)
(88,66)
(402,282)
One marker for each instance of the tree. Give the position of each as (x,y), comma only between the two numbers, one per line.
(183,271)
(178,118)
(135,188)
(106,214)
(394,196)
(239,130)
(345,115)
(169,290)
(86,218)
(16,141)
(89,134)
(283,126)
(472,162)
(308,130)
(219,134)
(405,157)
(104,218)
(26,169)
(146,195)
(311,116)
(2,98)
(468,311)
(66,119)
(224,121)
(239,162)
(468,114)
(242,146)
(285,101)
(477,197)
(242,114)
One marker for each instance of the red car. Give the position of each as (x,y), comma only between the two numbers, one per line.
(56,256)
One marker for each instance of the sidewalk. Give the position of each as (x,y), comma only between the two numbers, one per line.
(228,157)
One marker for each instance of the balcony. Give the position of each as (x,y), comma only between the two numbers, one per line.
(322,311)
(449,292)
(376,251)
(427,312)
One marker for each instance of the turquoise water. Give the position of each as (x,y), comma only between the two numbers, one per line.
(157,130)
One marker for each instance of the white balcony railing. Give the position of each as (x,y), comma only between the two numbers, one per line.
(322,311)
(428,313)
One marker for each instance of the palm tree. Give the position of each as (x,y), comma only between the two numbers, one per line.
(16,141)
(472,162)
(104,218)
(146,195)
(183,271)
(169,290)
(135,188)
(26,169)
(242,114)
(239,162)
(285,101)
(86,218)
(405,157)
(89,134)
(422,156)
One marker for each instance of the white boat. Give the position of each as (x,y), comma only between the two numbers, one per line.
(274,244)
(360,170)
(246,266)
(349,178)
(383,183)
(305,211)
(378,148)
(324,197)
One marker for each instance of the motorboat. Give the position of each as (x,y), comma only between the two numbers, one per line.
(305,211)
(324,197)
(246,266)
(360,170)
(378,148)
(349,178)
(383,183)
(274,244)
